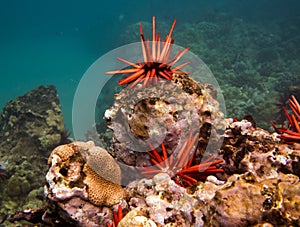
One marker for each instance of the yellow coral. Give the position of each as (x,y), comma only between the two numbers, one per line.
(101,191)
(103,164)
(64,152)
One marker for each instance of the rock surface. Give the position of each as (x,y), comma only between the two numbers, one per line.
(81,189)
(31,126)
(166,112)
(260,186)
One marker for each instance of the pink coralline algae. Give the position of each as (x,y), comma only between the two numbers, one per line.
(260,186)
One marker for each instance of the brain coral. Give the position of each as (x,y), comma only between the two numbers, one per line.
(70,175)
(102,163)
(100,189)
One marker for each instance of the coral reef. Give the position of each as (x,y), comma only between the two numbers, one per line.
(249,68)
(254,65)
(255,179)
(82,181)
(31,126)
(244,143)
(260,185)
(241,201)
(168,109)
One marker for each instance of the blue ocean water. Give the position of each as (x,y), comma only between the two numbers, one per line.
(54,42)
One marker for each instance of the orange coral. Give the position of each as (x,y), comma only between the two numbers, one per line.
(70,175)
(101,191)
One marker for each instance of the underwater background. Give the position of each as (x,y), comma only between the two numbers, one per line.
(245,175)
(252,47)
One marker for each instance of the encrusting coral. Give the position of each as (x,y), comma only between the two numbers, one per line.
(101,191)
(101,162)
(70,169)
(72,184)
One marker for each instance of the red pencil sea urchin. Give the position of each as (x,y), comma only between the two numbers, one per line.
(118,215)
(182,169)
(156,64)
(291,134)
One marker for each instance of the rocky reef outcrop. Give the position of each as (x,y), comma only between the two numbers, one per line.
(255,179)
(82,182)
(30,127)
(241,201)
(167,112)
(260,186)
(255,68)
(257,182)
